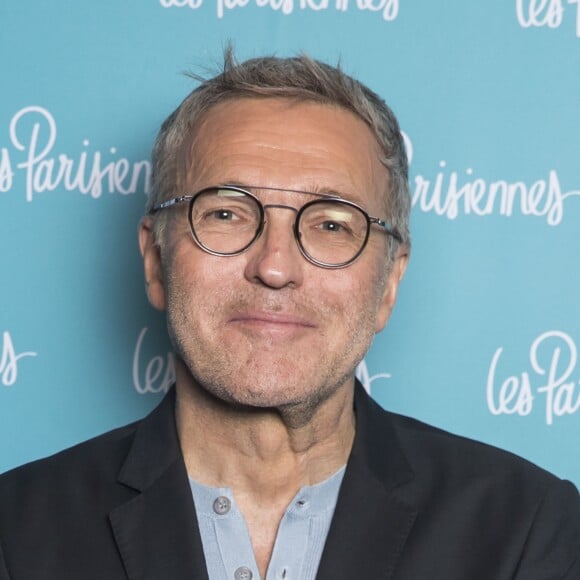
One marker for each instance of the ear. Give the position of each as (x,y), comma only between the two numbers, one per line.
(391,288)
(151,264)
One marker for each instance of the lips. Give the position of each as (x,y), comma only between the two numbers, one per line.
(259,324)
(271,318)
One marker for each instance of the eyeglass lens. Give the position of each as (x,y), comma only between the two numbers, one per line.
(226,221)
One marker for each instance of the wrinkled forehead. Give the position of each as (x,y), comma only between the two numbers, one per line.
(285,144)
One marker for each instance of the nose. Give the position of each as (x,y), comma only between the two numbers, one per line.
(274,259)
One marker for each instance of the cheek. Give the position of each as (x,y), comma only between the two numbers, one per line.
(375,294)
(201,290)
(193,284)
(186,282)
(356,300)
(187,265)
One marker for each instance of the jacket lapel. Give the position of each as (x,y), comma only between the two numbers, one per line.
(373,517)
(156,531)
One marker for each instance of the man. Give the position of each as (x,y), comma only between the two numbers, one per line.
(275,240)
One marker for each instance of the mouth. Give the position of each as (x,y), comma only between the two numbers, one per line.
(271,323)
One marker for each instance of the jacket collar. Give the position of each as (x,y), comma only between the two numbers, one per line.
(156,532)
(373,515)
(155,447)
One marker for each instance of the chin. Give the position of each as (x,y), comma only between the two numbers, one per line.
(250,396)
(278,383)
(287,400)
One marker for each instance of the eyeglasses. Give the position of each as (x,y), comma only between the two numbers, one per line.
(226,220)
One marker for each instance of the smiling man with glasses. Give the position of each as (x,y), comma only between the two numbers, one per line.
(275,239)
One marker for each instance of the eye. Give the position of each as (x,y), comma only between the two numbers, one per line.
(329,219)
(222,215)
(329,226)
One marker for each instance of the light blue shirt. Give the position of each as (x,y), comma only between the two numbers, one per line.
(299,543)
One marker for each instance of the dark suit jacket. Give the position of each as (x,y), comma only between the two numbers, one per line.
(416,503)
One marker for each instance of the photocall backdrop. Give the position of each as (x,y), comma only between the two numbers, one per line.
(484,341)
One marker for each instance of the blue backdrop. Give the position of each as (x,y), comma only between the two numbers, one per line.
(485,338)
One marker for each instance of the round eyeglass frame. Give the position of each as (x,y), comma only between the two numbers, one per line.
(190,199)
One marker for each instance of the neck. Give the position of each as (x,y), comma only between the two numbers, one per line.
(260,453)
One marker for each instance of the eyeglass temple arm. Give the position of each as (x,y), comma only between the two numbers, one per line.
(389,229)
(170,202)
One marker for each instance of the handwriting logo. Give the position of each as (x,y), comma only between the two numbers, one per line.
(193,4)
(541,13)
(389,9)
(9,360)
(553,357)
(449,195)
(154,375)
(363,375)
(33,132)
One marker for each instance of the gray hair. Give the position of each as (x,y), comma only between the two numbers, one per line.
(299,78)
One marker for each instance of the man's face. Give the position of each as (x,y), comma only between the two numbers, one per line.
(267,328)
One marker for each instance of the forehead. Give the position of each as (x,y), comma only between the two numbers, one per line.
(281,143)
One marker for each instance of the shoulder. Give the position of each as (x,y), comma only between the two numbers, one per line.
(482,495)
(434,451)
(449,468)
(64,501)
(57,509)
(498,488)
(92,463)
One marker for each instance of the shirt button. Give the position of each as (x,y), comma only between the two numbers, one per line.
(243,573)
(222,505)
